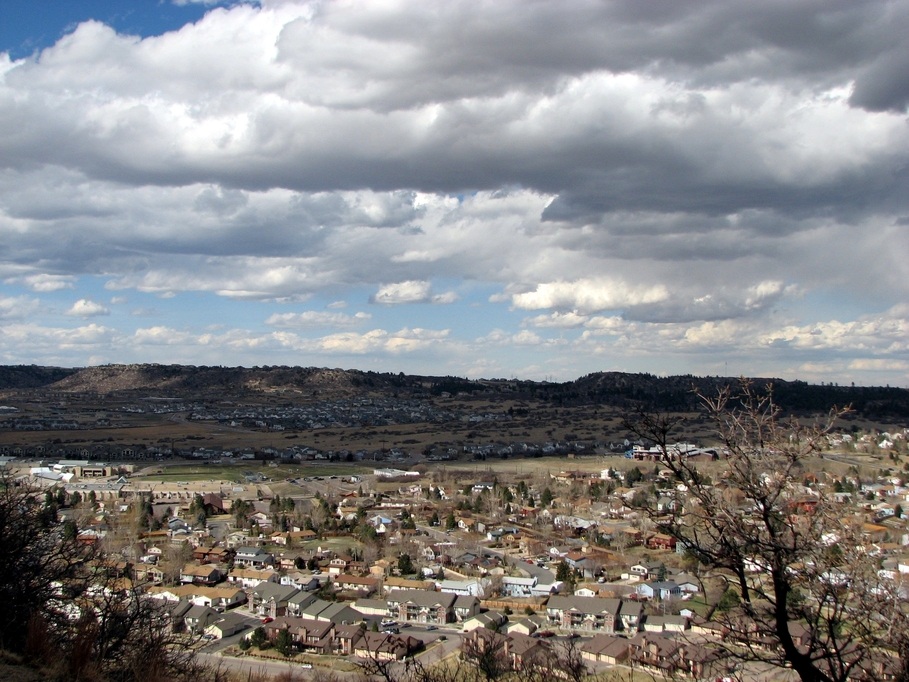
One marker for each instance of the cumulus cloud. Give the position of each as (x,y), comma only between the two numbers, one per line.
(402,292)
(315,319)
(645,178)
(557,320)
(588,295)
(18,307)
(411,292)
(445,298)
(87,308)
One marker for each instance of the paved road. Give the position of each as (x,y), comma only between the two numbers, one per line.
(218,645)
(543,575)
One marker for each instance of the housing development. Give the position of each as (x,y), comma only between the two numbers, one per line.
(336,558)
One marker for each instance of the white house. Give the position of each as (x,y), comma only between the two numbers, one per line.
(466,588)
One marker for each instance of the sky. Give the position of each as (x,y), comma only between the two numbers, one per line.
(494,188)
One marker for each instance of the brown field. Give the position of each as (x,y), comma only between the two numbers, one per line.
(539,423)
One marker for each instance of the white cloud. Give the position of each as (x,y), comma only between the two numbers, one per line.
(87,308)
(44,283)
(379,340)
(18,307)
(446,298)
(557,320)
(588,295)
(526,337)
(314,319)
(879,365)
(403,292)
(688,170)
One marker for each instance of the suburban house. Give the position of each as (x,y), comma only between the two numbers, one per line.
(383,646)
(647,569)
(491,620)
(345,638)
(355,583)
(606,649)
(299,601)
(248,578)
(340,613)
(518,587)
(656,653)
(300,580)
(307,634)
(405,584)
(224,597)
(287,538)
(270,599)
(514,651)
(585,613)
(228,624)
(465,607)
(253,557)
(667,624)
(211,555)
(659,589)
(630,613)
(338,565)
(197,618)
(208,574)
(469,588)
(148,573)
(527,626)
(417,606)
(371,607)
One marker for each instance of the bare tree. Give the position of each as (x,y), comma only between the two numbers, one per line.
(65,609)
(37,561)
(809,597)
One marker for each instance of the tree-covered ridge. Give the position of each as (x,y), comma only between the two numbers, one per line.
(616,389)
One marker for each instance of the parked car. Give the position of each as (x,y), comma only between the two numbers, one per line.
(267,619)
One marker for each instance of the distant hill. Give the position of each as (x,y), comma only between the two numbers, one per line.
(679,393)
(616,389)
(31,376)
(191,381)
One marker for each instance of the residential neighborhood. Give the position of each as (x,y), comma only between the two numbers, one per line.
(396,562)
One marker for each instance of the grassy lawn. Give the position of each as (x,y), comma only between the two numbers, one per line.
(336,544)
(697,604)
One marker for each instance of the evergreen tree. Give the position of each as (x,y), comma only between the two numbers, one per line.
(284,643)
(258,637)
(405,564)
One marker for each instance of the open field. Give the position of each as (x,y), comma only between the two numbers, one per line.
(236,472)
(108,425)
